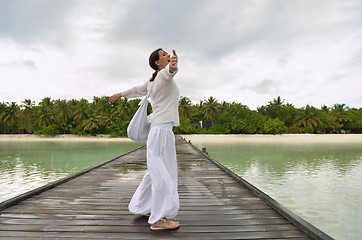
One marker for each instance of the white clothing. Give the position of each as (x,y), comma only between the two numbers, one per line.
(157,193)
(164,97)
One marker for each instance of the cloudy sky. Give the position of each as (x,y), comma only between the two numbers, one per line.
(247,51)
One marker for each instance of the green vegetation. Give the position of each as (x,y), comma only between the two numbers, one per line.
(81,117)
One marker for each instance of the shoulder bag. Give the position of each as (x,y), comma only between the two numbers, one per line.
(139,127)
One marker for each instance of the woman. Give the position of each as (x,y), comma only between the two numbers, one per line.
(157,194)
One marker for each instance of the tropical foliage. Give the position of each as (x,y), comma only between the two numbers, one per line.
(83,117)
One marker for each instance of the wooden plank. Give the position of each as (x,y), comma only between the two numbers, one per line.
(93,205)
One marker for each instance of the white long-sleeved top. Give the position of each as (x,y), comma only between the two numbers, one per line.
(164,97)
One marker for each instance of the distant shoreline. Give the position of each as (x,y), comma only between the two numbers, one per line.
(60,138)
(283,138)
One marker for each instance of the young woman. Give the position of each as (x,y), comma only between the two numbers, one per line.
(157,194)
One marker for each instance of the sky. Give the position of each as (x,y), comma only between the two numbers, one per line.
(308,52)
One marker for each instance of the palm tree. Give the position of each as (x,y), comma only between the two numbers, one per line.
(101,105)
(185,107)
(27,110)
(308,118)
(2,111)
(277,109)
(44,112)
(325,109)
(46,102)
(62,114)
(224,106)
(81,111)
(124,108)
(197,112)
(10,115)
(210,109)
(27,104)
(340,111)
(93,123)
(340,116)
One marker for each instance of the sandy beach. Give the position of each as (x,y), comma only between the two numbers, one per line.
(284,138)
(60,138)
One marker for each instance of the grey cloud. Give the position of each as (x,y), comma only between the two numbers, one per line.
(155,24)
(266,86)
(30,65)
(187,24)
(217,28)
(35,21)
(207,34)
(27,64)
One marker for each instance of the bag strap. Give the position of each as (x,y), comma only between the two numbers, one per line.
(153,83)
(145,99)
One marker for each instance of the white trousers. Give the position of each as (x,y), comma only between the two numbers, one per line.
(157,193)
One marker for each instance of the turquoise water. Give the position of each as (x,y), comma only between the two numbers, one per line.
(25,165)
(319,181)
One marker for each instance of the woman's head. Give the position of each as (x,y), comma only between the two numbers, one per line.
(159,59)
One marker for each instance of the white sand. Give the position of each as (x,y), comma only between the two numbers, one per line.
(60,138)
(284,138)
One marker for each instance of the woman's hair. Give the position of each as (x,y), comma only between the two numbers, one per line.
(152,61)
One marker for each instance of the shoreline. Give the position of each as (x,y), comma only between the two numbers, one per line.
(60,138)
(283,138)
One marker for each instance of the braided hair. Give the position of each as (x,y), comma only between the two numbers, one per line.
(152,61)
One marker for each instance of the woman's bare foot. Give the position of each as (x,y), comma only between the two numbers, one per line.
(165,224)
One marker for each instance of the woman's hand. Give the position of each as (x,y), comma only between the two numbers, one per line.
(173,62)
(115,97)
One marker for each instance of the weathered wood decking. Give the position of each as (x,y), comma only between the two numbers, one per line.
(214,205)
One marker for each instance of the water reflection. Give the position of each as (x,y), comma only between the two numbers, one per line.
(284,158)
(134,166)
(321,182)
(27,165)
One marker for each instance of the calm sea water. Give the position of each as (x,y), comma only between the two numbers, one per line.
(25,165)
(321,181)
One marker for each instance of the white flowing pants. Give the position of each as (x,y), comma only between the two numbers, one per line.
(157,194)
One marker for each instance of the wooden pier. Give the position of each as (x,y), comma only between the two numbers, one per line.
(215,204)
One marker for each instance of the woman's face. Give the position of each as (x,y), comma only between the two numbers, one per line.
(164,59)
